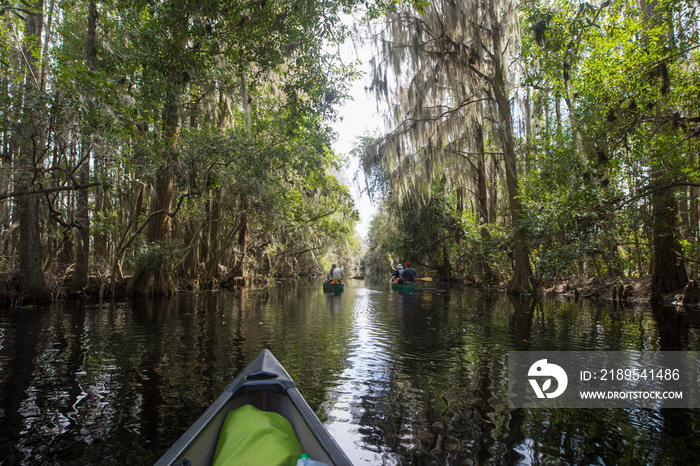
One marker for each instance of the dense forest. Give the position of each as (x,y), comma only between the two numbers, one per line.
(536,141)
(149,146)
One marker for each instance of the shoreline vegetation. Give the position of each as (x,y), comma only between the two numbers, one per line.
(624,291)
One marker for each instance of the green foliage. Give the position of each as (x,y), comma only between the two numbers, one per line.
(163,101)
(380,257)
(437,238)
(483,259)
(298,211)
(591,207)
(158,256)
(612,101)
(23,8)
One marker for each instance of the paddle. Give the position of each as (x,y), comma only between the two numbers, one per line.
(425,279)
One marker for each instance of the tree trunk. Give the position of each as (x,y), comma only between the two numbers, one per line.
(161,203)
(482,190)
(239,269)
(32,282)
(190,266)
(158,282)
(684,211)
(668,265)
(31,276)
(522,280)
(693,219)
(529,136)
(669,272)
(204,244)
(99,249)
(444,268)
(492,177)
(485,217)
(212,266)
(245,100)
(79,280)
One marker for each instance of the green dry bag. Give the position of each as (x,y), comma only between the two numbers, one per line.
(250,436)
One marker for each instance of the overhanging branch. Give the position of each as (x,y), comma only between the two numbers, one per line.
(39,189)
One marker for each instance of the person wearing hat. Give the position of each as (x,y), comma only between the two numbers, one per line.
(396,276)
(409,275)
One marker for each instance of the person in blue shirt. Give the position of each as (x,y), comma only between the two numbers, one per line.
(409,275)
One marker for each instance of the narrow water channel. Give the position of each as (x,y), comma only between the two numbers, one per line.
(417,378)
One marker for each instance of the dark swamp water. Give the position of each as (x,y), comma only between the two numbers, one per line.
(397,378)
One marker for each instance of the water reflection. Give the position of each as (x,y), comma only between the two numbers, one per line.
(398,378)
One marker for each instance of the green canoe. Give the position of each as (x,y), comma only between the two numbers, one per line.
(333,287)
(265,385)
(402,286)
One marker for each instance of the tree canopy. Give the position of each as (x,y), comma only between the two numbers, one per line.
(182,143)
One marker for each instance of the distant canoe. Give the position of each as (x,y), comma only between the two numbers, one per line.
(408,286)
(333,287)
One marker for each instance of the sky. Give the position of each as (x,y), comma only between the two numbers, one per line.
(356,118)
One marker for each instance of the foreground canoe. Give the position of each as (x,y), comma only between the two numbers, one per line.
(333,287)
(403,286)
(267,386)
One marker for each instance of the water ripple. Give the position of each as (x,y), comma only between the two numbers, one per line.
(397,378)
